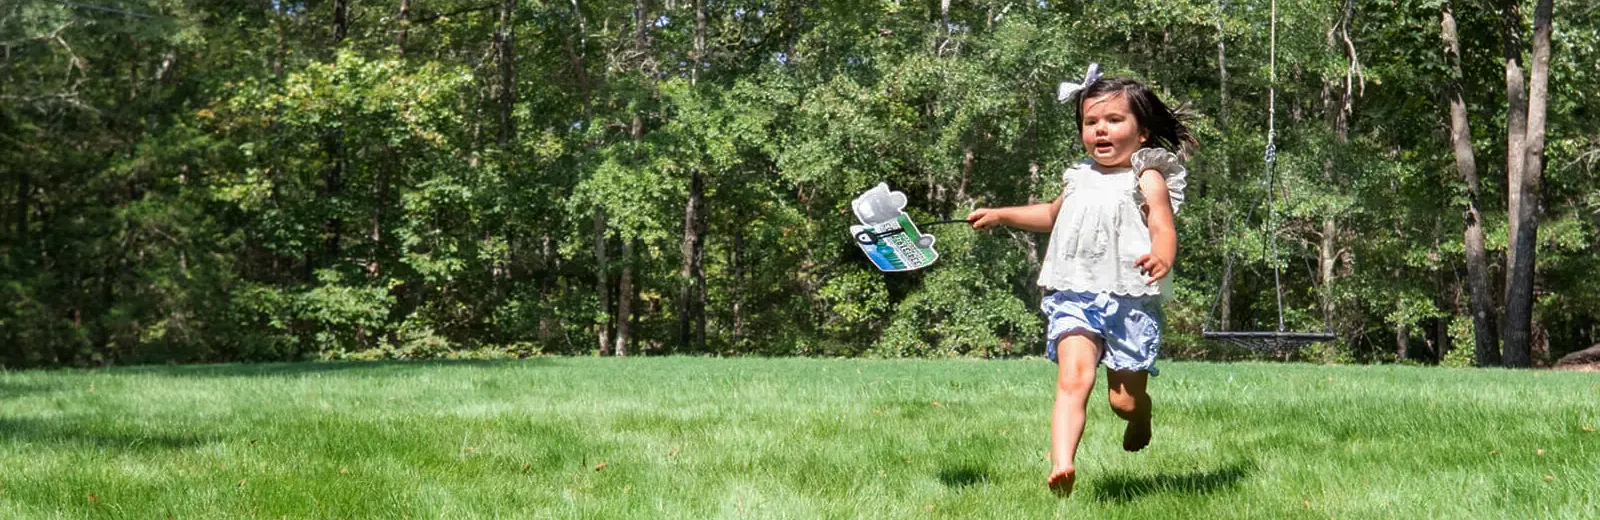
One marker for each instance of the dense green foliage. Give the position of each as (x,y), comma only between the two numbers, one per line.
(277,180)
(679,437)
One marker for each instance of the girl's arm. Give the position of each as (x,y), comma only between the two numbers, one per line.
(1039,218)
(1158,217)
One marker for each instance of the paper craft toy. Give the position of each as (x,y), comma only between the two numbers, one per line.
(887,234)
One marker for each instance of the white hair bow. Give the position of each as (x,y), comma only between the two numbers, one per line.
(1068,88)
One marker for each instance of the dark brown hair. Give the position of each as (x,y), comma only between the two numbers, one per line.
(1167,127)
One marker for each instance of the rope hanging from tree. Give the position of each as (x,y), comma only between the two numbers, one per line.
(1281,340)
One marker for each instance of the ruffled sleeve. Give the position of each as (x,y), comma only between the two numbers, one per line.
(1068,178)
(1166,162)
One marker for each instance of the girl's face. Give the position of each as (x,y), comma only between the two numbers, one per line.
(1110,132)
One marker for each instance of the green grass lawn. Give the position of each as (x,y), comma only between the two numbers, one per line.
(796,438)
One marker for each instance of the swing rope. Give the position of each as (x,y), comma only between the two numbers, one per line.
(1279,341)
(1272,156)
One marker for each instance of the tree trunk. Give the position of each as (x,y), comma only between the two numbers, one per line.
(405,27)
(341,24)
(1402,341)
(1225,303)
(699,59)
(795,18)
(1516,135)
(1222,81)
(693,279)
(333,186)
(1337,103)
(641,39)
(333,178)
(24,202)
(578,56)
(133,68)
(505,47)
(1486,342)
(738,288)
(944,28)
(653,310)
(278,48)
(274,197)
(380,187)
(505,43)
(625,287)
(627,291)
(547,264)
(602,287)
(1525,215)
(692,297)
(1445,344)
(1327,243)
(967,161)
(625,300)
(1327,259)
(380,194)
(1225,298)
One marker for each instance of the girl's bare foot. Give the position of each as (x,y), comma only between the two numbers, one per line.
(1136,436)
(1061,480)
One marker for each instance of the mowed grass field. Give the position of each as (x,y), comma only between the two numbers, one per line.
(786,438)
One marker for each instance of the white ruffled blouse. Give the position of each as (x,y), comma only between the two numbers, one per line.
(1101,230)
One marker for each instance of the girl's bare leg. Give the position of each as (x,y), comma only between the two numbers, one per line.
(1132,404)
(1077,355)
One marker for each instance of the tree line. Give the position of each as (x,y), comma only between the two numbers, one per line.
(258,180)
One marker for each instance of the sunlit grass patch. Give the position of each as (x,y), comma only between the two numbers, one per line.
(797,438)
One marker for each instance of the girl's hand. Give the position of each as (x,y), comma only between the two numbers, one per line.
(1154,267)
(984,218)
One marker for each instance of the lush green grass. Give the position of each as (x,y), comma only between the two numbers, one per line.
(801,438)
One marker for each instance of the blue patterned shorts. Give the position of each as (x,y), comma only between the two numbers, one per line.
(1130,326)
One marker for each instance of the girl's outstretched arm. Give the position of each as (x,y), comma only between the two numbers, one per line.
(1039,218)
(1158,217)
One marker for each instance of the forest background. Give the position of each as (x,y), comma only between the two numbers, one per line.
(264,180)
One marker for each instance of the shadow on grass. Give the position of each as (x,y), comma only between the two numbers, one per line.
(320,367)
(96,435)
(1127,488)
(963,476)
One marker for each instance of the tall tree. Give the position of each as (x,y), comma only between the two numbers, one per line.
(383,173)
(333,174)
(1338,105)
(1525,208)
(1486,343)
(692,296)
(625,285)
(505,44)
(602,322)
(625,290)
(602,283)
(1516,135)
